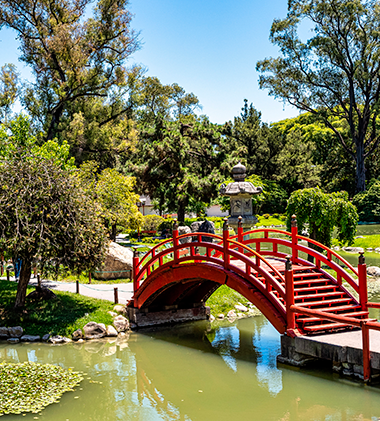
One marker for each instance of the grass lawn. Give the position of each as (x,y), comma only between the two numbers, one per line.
(368,241)
(267,222)
(224,299)
(58,317)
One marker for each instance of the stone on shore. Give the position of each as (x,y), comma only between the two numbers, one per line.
(4,332)
(94,330)
(78,334)
(120,309)
(16,332)
(121,323)
(111,331)
(118,263)
(13,340)
(30,338)
(240,307)
(373,271)
(354,249)
(57,339)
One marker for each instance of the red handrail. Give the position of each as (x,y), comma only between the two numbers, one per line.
(364,324)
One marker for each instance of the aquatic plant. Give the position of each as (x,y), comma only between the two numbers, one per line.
(30,387)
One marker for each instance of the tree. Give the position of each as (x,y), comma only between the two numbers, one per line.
(9,89)
(320,213)
(177,163)
(325,158)
(171,102)
(368,203)
(73,57)
(252,142)
(114,192)
(335,73)
(45,216)
(295,163)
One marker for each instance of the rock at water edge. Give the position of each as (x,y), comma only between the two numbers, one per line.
(94,330)
(121,323)
(16,332)
(111,331)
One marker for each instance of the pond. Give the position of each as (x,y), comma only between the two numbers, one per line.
(193,372)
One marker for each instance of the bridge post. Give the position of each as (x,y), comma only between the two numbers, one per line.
(135,270)
(175,241)
(363,292)
(240,233)
(366,352)
(226,236)
(289,296)
(294,228)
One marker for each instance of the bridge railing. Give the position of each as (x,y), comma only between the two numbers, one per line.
(292,243)
(223,252)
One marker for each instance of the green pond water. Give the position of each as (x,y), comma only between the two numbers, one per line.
(193,373)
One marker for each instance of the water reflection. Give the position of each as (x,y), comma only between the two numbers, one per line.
(194,373)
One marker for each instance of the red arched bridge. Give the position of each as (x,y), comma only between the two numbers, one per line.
(266,267)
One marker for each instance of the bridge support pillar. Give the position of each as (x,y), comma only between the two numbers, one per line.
(145,318)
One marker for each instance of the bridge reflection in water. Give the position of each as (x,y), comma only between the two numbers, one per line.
(190,382)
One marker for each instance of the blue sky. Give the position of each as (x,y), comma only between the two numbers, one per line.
(209,47)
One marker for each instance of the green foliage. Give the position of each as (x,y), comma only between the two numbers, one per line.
(321,212)
(372,241)
(30,387)
(46,216)
(152,222)
(9,89)
(334,73)
(73,57)
(115,194)
(295,163)
(61,316)
(177,163)
(170,101)
(252,142)
(271,220)
(167,224)
(368,203)
(17,140)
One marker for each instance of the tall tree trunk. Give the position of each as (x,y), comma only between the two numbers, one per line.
(181,213)
(113,233)
(26,271)
(360,167)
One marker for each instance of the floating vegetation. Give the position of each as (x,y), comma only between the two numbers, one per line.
(30,387)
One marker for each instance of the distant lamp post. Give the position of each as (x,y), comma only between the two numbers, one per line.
(141,204)
(143,201)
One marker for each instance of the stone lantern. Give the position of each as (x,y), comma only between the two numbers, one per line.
(240,193)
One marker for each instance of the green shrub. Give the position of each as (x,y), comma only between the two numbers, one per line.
(167,223)
(152,222)
(368,203)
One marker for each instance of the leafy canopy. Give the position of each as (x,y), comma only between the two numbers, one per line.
(335,73)
(320,213)
(74,55)
(45,215)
